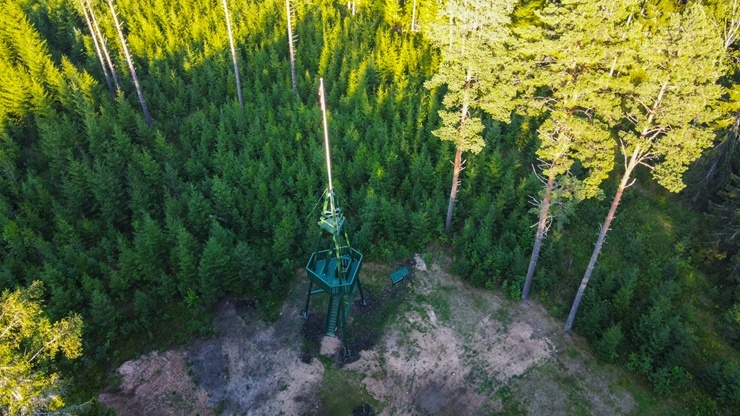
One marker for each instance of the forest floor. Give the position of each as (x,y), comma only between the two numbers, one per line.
(429,345)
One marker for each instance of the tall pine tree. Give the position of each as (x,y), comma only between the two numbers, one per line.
(661,95)
(478,71)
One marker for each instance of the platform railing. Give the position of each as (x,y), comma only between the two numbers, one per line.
(322,259)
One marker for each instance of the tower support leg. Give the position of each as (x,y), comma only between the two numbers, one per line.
(362,293)
(304,315)
(347,352)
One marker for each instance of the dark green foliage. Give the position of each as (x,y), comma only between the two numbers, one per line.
(722,379)
(141,230)
(608,347)
(119,218)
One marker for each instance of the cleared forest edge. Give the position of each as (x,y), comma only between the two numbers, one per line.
(450,349)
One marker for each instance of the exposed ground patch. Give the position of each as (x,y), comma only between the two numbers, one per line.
(157,384)
(430,345)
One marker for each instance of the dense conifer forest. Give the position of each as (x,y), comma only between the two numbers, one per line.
(139,184)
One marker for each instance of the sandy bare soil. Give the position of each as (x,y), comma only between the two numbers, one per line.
(157,384)
(449,349)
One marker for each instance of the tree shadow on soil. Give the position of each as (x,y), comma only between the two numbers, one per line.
(363,410)
(366,324)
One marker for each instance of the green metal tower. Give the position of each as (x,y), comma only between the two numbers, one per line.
(334,269)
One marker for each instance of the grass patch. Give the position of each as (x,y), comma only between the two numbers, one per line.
(479,303)
(342,392)
(502,315)
(440,305)
(511,406)
(647,403)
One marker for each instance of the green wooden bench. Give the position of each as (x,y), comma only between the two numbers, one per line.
(399,274)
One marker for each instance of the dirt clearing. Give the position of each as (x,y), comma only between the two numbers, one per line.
(430,345)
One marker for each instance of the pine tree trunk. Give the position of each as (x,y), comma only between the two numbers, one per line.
(104,47)
(453,191)
(290,46)
(130,62)
(233,55)
(450,32)
(98,51)
(413,17)
(633,161)
(458,156)
(539,236)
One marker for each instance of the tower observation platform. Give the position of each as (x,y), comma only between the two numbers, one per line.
(334,266)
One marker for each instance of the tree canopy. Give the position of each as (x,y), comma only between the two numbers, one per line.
(29,345)
(141,228)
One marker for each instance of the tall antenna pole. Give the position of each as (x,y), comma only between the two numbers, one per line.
(332,205)
(326,142)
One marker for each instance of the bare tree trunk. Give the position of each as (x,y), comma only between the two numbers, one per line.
(130,62)
(413,17)
(453,192)
(450,31)
(233,55)
(541,230)
(623,184)
(290,46)
(732,26)
(103,46)
(97,50)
